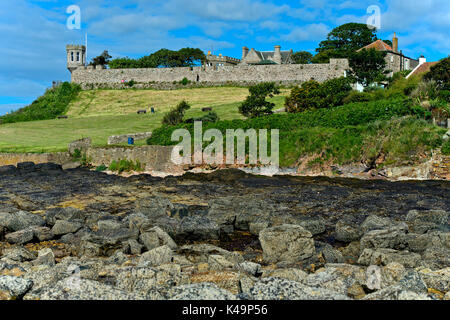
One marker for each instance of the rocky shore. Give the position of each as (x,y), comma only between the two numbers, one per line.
(80,234)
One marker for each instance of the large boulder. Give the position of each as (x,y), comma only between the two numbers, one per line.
(282,289)
(347,231)
(393,237)
(287,243)
(156,257)
(17,287)
(156,237)
(385,256)
(200,291)
(20,220)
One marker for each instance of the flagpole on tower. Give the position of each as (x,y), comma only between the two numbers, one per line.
(86,58)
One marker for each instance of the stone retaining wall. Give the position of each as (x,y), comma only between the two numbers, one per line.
(286,73)
(124,138)
(7,159)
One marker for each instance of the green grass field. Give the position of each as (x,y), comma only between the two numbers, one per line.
(99,114)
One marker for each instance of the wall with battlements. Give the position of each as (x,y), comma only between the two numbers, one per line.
(284,74)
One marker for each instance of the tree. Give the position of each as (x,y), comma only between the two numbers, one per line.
(256,105)
(302,57)
(313,95)
(163,58)
(367,66)
(102,59)
(344,40)
(440,73)
(175,116)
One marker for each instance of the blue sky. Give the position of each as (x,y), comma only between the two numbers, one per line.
(34,32)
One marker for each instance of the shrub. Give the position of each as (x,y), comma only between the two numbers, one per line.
(209,117)
(352,114)
(175,116)
(446,147)
(256,105)
(125,166)
(356,96)
(185,81)
(101,168)
(313,95)
(53,103)
(440,73)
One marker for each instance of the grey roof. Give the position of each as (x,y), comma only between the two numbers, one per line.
(268,55)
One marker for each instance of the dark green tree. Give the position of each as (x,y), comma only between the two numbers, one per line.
(256,105)
(175,116)
(102,59)
(368,66)
(344,40)
(440,73)
(302,57)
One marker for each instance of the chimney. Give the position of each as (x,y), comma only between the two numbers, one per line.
(277,55)
(422,59)
(244,52)
(395,43)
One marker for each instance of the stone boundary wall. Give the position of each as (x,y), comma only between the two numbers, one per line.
(244,74)
(124,137)
(152,158)
(7,159)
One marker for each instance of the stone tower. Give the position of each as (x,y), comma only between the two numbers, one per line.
(76,56)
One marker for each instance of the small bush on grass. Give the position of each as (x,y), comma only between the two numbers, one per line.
(175,116)
(125,166)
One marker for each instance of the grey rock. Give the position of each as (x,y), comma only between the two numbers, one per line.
(337,277)
(109,225)
(393,238)
(16,286)
(19,254)
(395,292)
(198,253)
(438,279)
(45,256)
(438,217)
(375,222)
(330,254)
(156,257)
(43,233)
(20,237)
(250,268)
(347,231)
(156,237)
(292,274)
(288,243)
(67,214)
(200,291)
(412,281)
(197,228)
(282,289)
(218,262)
(385,256)
(74,288)
(436,258)
(63,227)
(314,225)
(133,247)
(20,220)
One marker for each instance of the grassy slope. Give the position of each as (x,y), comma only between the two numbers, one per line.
(101,113)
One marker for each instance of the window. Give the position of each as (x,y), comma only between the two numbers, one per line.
(78,56)
(392,58)
(71,56)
